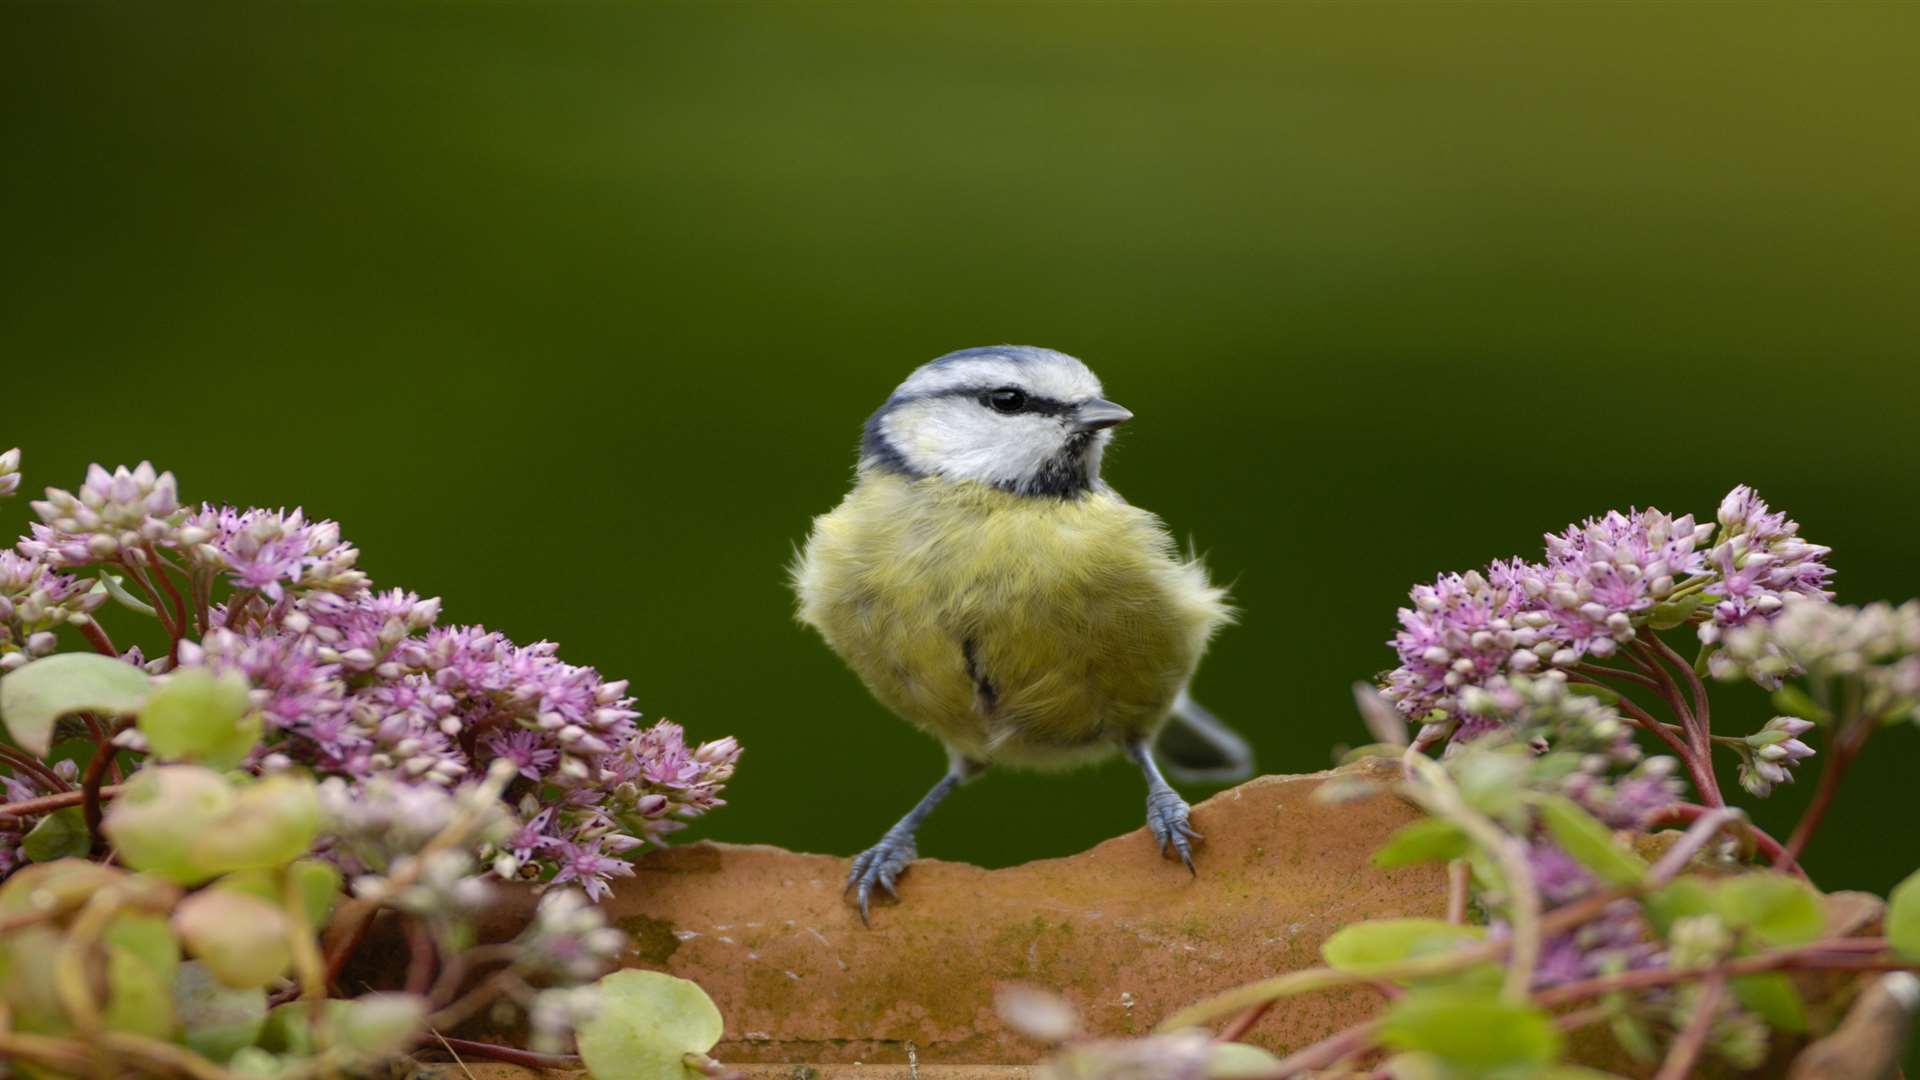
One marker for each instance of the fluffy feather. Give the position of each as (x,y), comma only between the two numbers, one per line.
(1018,630)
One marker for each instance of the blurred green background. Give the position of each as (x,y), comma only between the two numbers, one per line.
(571,313)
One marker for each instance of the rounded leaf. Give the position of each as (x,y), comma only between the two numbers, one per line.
(1589,842)
(646,1025)
(55,886)
(1476,1031)
(1775,909)
(60,835)
(241,939)
(1380,944)
(1903,917)
(1231,1060)
(1433,839)
(377,1026)
(161,815)
(270,824)
(40,693)
(138,998)
(218,1020)
(201,717)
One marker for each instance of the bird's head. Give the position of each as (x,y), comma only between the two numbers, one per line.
(1026,420)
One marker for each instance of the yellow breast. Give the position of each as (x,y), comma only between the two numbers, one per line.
(1018,630)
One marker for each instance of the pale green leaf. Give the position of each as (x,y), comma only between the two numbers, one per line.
(1903,917)
(270,824)
(646,1025)
(1427,840)
(138,998)
(200,717)
(149,938)
(218,1020)
(1677,900)
(1229,1061)
(1384,943)
(1794,701)
(162,814)
(35,696)
(1773,909)
(1589,842)
(60,835)
(1473,1030)
(1774,998)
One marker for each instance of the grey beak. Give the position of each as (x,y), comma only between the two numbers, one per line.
(1099,413)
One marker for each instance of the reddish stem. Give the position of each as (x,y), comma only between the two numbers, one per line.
(420,954)
(1845,749)
(1325,1052)
(1691,812)
(507,1054)
(1240,1025)
(180,618)
(1700,770)
(96,773)
(47,804)
(1686,1049)
(34,767)
(96,636)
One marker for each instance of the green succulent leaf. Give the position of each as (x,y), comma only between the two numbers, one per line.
(1379,944)
(1671,613)
(218,1019)
(1773,909)
(1903,917)
(1232,1060)
(1474,1030)
(242,940)
(374,1027)
(1677,900)
(1590,842)
(138,997)
(60,835)
(149,939)
(1606,695)
(647,1023)
(270,824)
(200,717)
(1431,839)
(162,814)
(1795,701)
(1773,997)
(35,696)
(318,884)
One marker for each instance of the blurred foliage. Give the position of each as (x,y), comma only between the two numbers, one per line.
(570,313)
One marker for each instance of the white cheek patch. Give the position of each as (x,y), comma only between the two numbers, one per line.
(959,439)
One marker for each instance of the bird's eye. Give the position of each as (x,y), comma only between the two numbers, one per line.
(1004,400)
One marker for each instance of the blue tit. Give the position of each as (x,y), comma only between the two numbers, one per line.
(991,589)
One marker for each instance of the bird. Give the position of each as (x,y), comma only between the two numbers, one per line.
(993,590)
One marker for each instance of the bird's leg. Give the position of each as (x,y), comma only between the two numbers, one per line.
(883,862)
(1166,810)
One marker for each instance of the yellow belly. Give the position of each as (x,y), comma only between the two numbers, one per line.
(1018,630)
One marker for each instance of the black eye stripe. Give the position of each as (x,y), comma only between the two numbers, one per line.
(1031,404)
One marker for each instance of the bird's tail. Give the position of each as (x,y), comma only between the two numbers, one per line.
(1197,747)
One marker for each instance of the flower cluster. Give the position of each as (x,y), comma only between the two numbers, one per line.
(1584,749)
(361,684)
(35,600)
(1878,645)
(1577,747)
(1599,585)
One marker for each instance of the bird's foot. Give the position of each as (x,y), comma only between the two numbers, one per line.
(1167,820)
(880,865)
